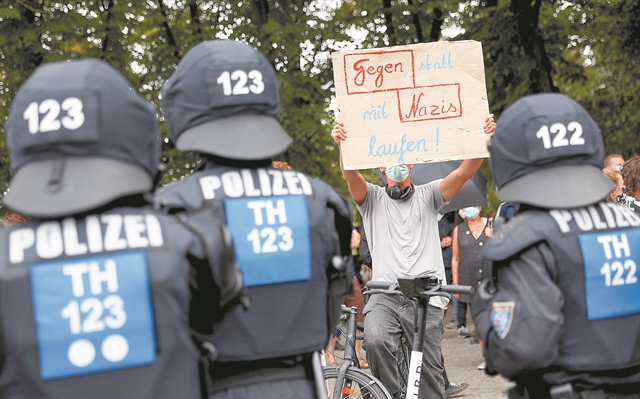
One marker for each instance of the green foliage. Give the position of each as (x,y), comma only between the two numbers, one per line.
(587,50)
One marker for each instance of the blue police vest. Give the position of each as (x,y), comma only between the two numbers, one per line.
(99,307)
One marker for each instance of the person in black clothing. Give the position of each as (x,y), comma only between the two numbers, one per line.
(560,315)
(101,295)
(291,231)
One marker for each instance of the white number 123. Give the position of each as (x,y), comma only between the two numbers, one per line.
(241,77)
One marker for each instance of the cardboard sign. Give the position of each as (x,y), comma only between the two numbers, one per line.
(412,104)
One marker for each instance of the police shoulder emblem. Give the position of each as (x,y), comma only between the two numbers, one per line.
(502,317)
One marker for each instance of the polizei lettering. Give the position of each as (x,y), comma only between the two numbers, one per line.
(110,232)
(243,183)
(602,216)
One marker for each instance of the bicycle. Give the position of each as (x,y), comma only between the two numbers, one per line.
(348,380)
(420,289)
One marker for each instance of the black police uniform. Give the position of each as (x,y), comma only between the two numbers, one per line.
(291,232)
(566,328)
(561,313)
(101,306)
(285,227)
(101,296)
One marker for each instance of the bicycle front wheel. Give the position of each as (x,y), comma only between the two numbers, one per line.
(357,384)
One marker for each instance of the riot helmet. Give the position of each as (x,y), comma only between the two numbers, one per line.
(79,137)
(224,100)
(547,151)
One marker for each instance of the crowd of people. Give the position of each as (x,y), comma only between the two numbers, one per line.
(228,283)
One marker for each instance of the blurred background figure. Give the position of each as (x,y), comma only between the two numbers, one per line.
(467,266)
(12,218)
(616,195)
(614,162)
(631,175)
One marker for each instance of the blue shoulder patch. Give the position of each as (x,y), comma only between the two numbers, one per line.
(502,317)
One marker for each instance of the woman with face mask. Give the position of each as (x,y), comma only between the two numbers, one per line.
(467,266)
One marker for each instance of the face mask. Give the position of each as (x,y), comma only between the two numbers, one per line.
(461,213)
(397,173)
(471,212)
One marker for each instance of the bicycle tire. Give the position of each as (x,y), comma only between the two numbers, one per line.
(357,384)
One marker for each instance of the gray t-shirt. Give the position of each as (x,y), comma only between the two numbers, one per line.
(403,235)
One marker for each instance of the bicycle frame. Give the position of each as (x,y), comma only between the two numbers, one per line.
(350,380)
(420,289)
(349,353)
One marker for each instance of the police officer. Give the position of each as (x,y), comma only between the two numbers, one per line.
(561,315)
(99,292)
(291,232)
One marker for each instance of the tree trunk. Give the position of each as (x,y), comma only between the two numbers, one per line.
(416,22)
(527,16)
(194,13)
(169,33)
(436,25)
(391,32)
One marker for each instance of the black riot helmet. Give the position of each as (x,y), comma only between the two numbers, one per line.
(80,137)
(224,100)
(547,151)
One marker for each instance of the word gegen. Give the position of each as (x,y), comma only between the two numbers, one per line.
(378,72)
(375,72)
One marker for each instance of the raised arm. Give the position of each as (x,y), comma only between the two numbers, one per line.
(451,184)
(356,182)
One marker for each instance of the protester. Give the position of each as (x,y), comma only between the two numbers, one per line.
(614,162)
(101,296)
(554,318)
(451,388)
(467,266)
(404,245)
(291,231)
(631,175)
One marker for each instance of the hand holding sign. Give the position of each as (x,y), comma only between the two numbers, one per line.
(411,104)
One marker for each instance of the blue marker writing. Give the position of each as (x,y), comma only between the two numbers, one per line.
(376,113)
(398,148)
(443,64)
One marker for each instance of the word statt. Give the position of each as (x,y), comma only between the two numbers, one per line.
(412,104)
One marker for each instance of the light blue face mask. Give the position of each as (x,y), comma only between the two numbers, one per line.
(471,212)
(397,173)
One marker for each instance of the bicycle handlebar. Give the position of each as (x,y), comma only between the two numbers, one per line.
(458,289)
(379,285)
(450,289)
